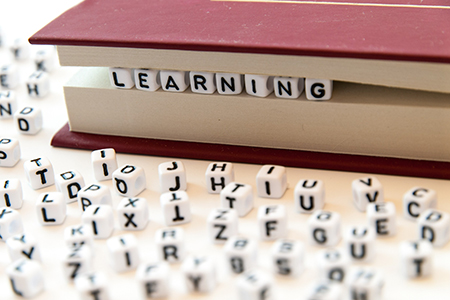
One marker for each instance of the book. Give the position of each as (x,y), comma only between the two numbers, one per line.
(391,61)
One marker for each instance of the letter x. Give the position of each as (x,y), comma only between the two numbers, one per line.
(129,220)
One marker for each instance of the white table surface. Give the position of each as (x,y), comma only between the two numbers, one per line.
(22,19)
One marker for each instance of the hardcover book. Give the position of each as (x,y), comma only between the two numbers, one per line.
(390,63)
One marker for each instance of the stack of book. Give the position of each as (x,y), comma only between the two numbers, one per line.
(390,64)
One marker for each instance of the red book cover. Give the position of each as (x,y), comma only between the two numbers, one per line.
(416,30)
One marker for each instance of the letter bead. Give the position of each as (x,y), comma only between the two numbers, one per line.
(332,264)
(272,222)
(271,181)
(69,183)
(255,285)
(51,208)
(10,223)
(367,190)
(287,257)
(38,84)
(258,85)
(45,59)
(132,213)
(26,277)
(94,194)
(360,243)
(23,246)
(309,196)
(20,49)
(9,76)
(417,200)
(29,120)
(416,258)
(170,244)
(100,218)
(8,104)
(9,152)
(121,78)
(78,235)
(318,89)
(129,180)
(147,80)
(240,254)
(324,228)
(153,279)
(77,260)
(123,252)
(288,87)
(365,283)
(174,81)
(229,83)
(434,225)
(11,194)
(202,82)
(222,224)
(92,285)
(218,176)
(325,290)
(104,163)
(176,208)
(237,196)
(199,274)
(382,218)
(172,176)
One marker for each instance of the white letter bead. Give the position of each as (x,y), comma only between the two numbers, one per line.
(326,290)
(123,252)
(147,80)
(121,78)
(365,191)
(258,85)
(20,49)
(92,286)
(272,222)
(11,193)
(129,180)
(288,87)
(324,228)
(9,76)
(365,283)
(29,120)
(237,196)
(9,152)
(78,235)
(218,175)
(170,245)
(38,84)
(174,81)
(199,274)
(309,195)
(51,208)
(417,200)
(172,176)
(416,258)
(222,224)
(10,223)
(360,243)
(229,83)
(332,264)
(202,82)
(176,208)
(153,279)
(132,213)
(69,183)
(100,218)
(104,163)
(26,277)
(255,285)
(271,181)
(434,225)
(45,59)
(241,254)
(94,194)
(381,217)
(23,246)
(8,104)
(76,261)
(287,257)
(318,89)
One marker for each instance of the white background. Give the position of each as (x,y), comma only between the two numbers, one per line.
(23,18)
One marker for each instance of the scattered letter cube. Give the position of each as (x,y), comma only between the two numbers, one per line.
(170,245)
(332,264)
(176,208)
(309,196)
(26,277)
(365,283)
(254,285)
(241,254)
(132,213)
(381,217)
(417,200)
(218,175)
(29,120)
(123,252)
(287,257)
(129,180)
(69,183)
(10,223)
(271,181)
(237,196)
(38,84)
(416,258)
(100,218)
(324,228)
(11,193)
(51,208)
(8,104)
(77,260)
(367,190)
(23,246)
(153,279)
(78,235)
(9,76)
(92,286)
(434,225)
(360,243)
(94,194)
(104,163)
(222,224)
(172,177)
(199,274)
(9,152)
(272,222)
